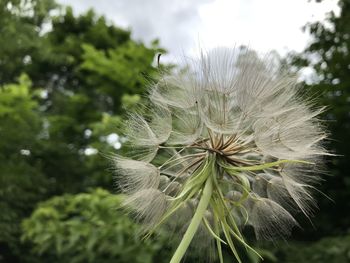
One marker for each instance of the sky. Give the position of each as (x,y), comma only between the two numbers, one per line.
(185,26)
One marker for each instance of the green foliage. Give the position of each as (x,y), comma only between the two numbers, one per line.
(124,66)
(22,183)
(86,67)
(21,22)
(326,250)
(73,105)
(87,227)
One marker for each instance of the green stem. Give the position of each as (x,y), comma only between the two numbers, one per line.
(196,220)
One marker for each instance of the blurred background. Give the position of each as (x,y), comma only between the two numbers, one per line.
(69,75)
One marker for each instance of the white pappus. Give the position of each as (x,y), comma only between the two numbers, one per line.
(229,141)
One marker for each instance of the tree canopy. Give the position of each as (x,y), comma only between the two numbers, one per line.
(63,81)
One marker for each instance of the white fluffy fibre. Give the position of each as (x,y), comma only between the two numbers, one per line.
(240,107)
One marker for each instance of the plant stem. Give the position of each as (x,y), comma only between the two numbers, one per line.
(196,220)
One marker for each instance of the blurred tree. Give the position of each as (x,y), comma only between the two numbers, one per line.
(325,250)
(21,23)
(22,182)
(86,68)
(88,228)
(329,56)
(83,68)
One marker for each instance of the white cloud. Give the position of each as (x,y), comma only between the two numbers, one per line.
(183,25)
(263,25)
(175,23)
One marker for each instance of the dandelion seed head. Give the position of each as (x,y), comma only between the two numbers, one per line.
(237,109)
